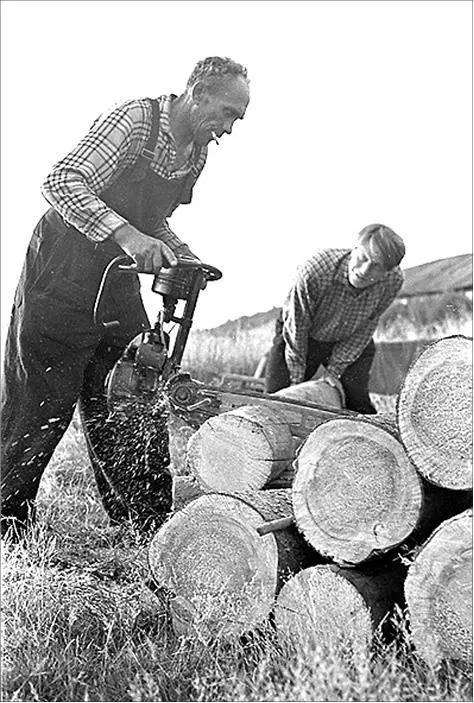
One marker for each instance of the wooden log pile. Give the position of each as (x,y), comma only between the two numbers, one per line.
(329,528)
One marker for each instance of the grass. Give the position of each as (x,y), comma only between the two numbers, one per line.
(79,622)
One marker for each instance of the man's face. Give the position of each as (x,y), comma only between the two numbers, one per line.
(365,267)
(214,113)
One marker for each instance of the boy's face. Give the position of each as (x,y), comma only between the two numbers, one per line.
(365,266)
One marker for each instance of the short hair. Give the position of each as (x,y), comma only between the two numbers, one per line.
(388,244)
(213,69)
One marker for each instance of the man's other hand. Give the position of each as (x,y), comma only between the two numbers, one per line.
(149,254)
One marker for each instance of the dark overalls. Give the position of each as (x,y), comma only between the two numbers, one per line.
(55,355)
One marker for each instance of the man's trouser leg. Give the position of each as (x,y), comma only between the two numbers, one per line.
(276,370)
(40,385)
(42,381)
(51,359)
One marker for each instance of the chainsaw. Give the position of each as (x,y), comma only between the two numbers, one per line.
(151,363)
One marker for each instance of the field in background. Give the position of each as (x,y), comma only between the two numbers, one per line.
(237,346)
(80,624)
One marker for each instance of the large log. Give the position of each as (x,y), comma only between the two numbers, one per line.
(356,494)
(221,565)
(435,413)
(337,608)
(241,449)
(438,591)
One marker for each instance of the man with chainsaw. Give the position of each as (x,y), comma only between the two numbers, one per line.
(110,195)
(331,312)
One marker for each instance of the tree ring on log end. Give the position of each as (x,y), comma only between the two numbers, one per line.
(438,591)
(318,607)
(356,493)
(211,556)
(434,413)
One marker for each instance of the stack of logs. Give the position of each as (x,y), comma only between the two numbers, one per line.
(328,529)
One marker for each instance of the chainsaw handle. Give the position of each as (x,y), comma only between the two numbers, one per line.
(211,273)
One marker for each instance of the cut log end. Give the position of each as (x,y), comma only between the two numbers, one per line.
(240,450)
(435,413)
(211,556)
(356,494)
(319,607)
(438,591)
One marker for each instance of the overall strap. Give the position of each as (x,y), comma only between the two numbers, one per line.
(148,152)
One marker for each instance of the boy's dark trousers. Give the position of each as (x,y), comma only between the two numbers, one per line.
(355,379)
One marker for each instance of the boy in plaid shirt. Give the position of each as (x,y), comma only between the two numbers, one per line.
(331,313)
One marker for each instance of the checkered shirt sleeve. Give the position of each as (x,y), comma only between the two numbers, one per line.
(112,144)
(298,313)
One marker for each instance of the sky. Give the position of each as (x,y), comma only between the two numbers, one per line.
(360,112)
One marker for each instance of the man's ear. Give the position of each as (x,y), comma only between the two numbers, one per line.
(199,91)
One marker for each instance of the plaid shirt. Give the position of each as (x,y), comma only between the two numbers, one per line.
(112,144)
(322,305)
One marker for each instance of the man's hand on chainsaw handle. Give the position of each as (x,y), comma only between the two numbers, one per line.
(149,254)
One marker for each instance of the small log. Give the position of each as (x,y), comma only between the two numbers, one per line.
(337,608)
(434,413)
(356,494)
(438,591)
(314,391)
(241,449)
(223,574)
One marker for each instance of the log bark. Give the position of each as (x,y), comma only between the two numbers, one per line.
(434,413)
(438,591)
(337,608)
(241,449)
(314,391)
(185,489)
(222,573)
(356,494)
